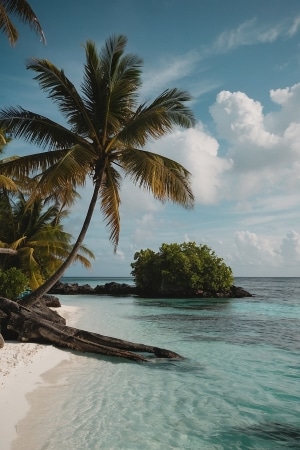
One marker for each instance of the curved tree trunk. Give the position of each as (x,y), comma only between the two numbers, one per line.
(45,326)
(31,298)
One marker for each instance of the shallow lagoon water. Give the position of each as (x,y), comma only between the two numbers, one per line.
(238,386)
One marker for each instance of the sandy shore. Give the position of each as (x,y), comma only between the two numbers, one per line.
(21,368)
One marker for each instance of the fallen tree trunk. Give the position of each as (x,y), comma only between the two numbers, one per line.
(41,324)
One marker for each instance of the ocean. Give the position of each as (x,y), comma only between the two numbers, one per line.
(237,387)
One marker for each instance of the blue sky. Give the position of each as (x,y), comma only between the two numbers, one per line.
(240,60)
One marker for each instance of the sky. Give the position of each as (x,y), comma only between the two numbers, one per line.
(240,61)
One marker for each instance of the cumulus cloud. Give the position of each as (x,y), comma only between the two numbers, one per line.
(254,163)
(257,153)
(253,249)
(264,148)
(286,120)
(240,120)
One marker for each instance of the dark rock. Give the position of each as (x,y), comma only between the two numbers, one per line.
(51,301)
(112,288)
(238,292)
(123,289)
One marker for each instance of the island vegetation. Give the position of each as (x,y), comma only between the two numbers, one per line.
(181,270)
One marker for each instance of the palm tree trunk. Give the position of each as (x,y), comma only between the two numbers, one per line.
(31,298)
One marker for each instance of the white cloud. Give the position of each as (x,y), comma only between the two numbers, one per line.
(269,254)
(239,119)
(294,27)
(290,248)
(264,148)
(244,34)
(254,250)
(169,71)
(288,99)
(251,32)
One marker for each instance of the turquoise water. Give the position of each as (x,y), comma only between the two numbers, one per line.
(238,386)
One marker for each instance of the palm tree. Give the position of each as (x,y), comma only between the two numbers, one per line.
(108,130)
(5,182)
(24,12)
(33,237)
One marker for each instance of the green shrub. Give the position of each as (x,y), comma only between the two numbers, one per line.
(180,268)
(12,283)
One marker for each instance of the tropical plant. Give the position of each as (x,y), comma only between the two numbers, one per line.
(5,182)
(12,283)
(32,231)
(25,14)
(180,269)
(108,130)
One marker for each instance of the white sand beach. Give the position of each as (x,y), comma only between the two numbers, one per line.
(21,368)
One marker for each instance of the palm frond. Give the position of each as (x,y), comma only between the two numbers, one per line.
(25,13)
(7,26)
(70,169)
(92,88)
(74,160)
(85,251)
(63,93)
(7,183)
(16,244)
(165,178)
(110,202)
(83,261)
(37,129)
(111,53)
(157,119)
(116,84)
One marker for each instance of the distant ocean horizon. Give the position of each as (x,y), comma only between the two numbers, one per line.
(237,387)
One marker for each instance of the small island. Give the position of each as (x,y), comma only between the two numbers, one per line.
(184,270)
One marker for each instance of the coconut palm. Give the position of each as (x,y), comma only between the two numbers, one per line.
(106,136)
(5,182)
(24,12)
(34,238)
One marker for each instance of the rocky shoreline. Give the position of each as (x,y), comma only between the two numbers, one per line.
(123,289)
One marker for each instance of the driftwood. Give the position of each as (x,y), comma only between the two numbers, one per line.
(41,324)
(8,251)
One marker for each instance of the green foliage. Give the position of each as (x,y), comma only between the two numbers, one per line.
(32,229)
(12,283)
(180,268)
